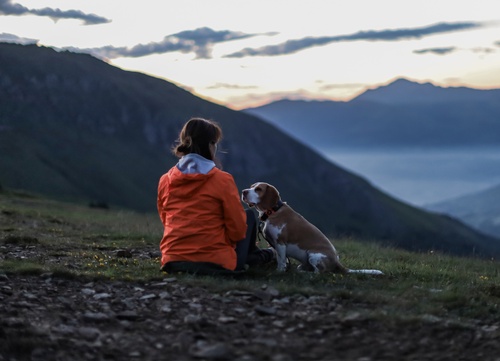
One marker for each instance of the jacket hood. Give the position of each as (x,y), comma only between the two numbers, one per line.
(195,164)
(190,173)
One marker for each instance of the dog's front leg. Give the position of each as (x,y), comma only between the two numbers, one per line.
(281,257)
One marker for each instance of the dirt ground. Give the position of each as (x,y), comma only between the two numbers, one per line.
(45,317)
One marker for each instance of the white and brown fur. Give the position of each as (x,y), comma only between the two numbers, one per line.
(291,235)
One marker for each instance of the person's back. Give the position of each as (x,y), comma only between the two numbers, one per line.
(202,214)
(200,208)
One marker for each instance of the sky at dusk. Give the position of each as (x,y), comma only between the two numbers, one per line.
(246,53)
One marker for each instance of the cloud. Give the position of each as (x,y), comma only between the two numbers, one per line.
(437,51)
(11,38)
(293,46)
(451,49)
(231,86)
(497,43)
(346,86)
(483,50)
(198,41)
(7,7)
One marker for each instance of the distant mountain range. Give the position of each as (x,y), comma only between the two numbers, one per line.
(77,128)
(480,210)
(404,114)
(401,114)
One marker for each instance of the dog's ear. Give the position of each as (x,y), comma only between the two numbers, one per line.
(270,197)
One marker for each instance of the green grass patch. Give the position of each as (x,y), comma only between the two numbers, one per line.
(22,267)
(39,236)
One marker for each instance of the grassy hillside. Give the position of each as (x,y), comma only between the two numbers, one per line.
(76,128)
(80,283)
(39,235)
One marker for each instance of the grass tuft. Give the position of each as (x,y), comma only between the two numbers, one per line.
(20,240)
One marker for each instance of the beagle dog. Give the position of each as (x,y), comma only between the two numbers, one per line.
(292,235)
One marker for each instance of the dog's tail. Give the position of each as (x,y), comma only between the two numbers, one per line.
(366,271)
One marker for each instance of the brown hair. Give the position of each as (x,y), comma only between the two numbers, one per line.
(196,137)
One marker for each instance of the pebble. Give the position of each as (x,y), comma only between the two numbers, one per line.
(148,297)
(100,296)
(128,315)
(124,253)
(210,351)
(88,291)
(263,310)
(166,309)
(3,277)
(96,316)
(89,333)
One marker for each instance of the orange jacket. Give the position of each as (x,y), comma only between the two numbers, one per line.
(201,212)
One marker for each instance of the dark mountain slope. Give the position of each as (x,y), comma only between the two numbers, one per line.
(75,127)
(402,113)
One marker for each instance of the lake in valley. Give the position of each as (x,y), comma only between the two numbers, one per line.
(422,177)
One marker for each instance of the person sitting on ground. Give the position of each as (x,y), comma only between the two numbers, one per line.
(206,228)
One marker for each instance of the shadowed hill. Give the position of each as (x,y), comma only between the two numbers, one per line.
(74,127)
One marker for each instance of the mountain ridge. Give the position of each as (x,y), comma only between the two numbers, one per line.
(404,91)
(77,128)
(400,114)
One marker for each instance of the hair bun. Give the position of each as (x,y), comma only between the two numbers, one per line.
(183,148)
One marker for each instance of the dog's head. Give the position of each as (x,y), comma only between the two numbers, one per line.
(261,195)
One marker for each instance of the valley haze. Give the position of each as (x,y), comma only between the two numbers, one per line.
(419,142)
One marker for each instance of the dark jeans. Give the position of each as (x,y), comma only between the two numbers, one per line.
(247,251)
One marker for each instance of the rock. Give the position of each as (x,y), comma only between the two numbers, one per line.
(147,297)
(96,316)
(87,291)
(164,295)
(263,310)
(155,254)
(64,330)
(124,253)
(128,315)
(225,319)
(89,333)
(100,296)
(166,308)
(3,277)
(191,319)
(216,351)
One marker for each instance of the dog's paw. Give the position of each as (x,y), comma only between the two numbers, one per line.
(284,266)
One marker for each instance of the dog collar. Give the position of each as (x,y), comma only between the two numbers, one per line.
(265,215)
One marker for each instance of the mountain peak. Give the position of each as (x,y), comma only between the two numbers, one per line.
(400,90)
(404,91)
(402,82)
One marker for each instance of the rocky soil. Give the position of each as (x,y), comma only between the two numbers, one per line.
(46,317)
